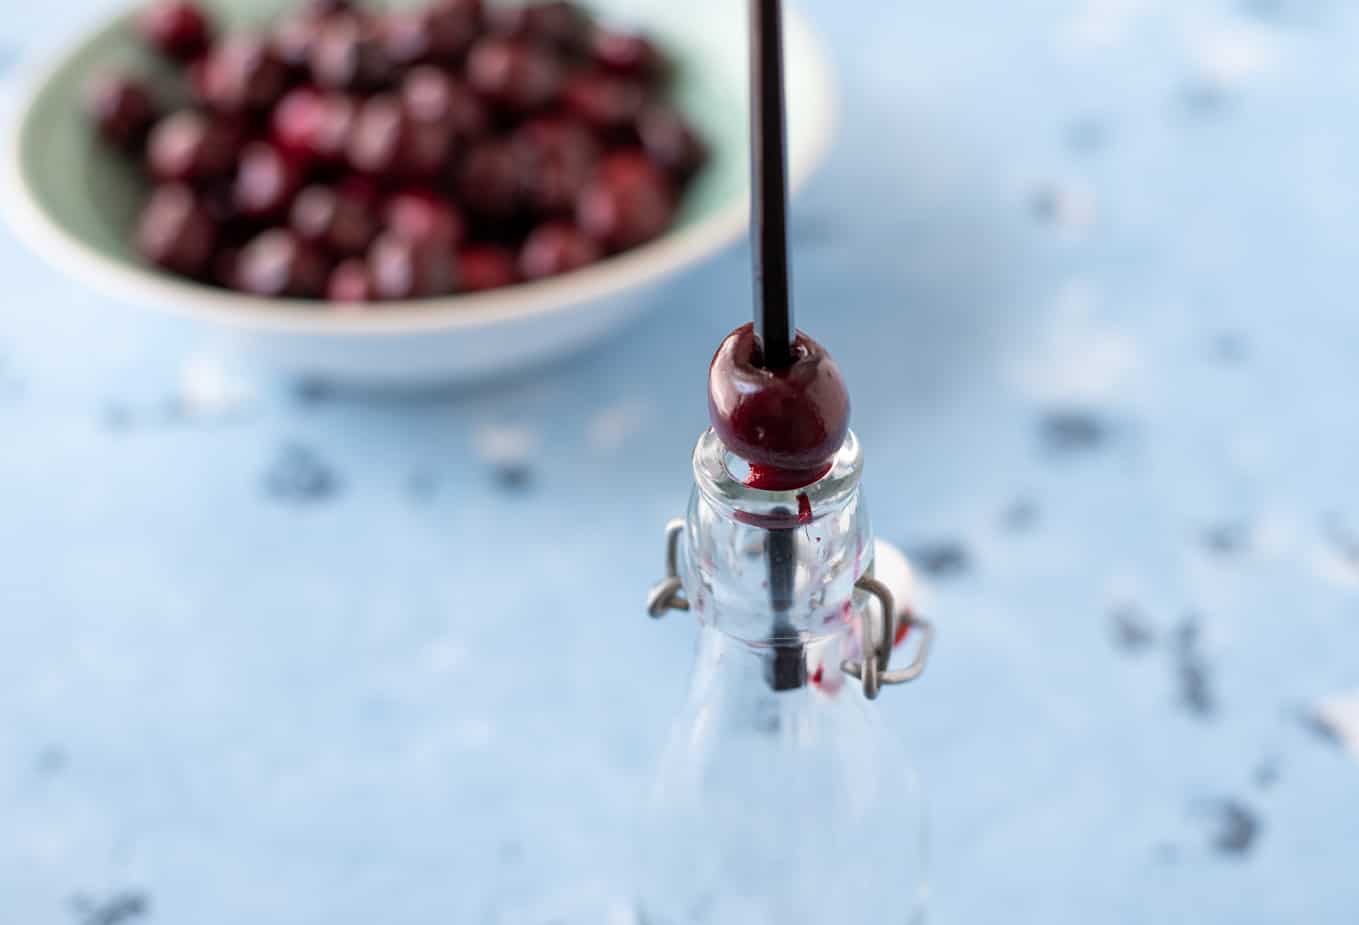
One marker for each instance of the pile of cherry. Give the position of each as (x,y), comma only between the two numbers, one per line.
(360,155)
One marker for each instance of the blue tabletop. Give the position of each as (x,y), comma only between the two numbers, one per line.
(270,654)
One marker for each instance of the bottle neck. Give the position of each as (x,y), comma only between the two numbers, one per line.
(775,570)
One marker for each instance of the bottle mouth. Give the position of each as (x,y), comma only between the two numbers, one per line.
(723,478)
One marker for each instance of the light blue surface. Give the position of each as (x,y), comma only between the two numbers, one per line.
(376,708)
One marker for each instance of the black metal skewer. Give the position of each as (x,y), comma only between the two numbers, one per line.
(769,186)
(774,330)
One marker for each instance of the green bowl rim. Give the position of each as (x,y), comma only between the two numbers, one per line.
(651,262)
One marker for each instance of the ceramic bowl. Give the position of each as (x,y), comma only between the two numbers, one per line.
(75,202)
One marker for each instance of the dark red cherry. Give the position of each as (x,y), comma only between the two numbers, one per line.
(485,266)
(423,217)
(266,181)
(241,74)
(514,75)
(554,249)
(339,220)
(351,282)
(377,142)
(488,183)
(562,26)
(608,102)
(176,28)
(292,39)
(404,269)
(313,127)
(431,96)
(437,34)
(557,158)
(222,269)
(175,231)
(192,146)
(279,264)
(789,423)
(121,108)
(670,142)
(629,202)
(350,53)
(629,54)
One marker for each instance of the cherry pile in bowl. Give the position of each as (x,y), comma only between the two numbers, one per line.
(360,155)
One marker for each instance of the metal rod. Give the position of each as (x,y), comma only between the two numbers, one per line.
(774,328)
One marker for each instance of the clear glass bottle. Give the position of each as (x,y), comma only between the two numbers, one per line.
(781,799)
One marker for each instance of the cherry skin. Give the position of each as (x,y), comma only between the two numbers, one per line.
(557,156)
(405,269)
(242,74)
(379,136)
(670,141)
(266,181)
(432,97)
(420,216)
(485,266)
(556,24)
(176,232)
(437,34)
(176,28)
(349,53)
(350,283)
(628,54)
(608,102)
(121,108)
(338,220)
(514,75)
(313,127)
(191,146)
(279,264)
(554,249)
(629,202)
(787,423)
(488,182)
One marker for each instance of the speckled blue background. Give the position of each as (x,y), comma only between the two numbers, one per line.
(1090,271)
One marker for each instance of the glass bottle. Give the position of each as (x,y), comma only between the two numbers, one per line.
(780,798)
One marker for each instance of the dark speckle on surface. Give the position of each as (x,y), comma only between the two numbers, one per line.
(1229,348)
(1131,628)
(1225,540)
(9,57)
(1020,515)
(1086,135)
(1191,671)
(512,476)
(941,558)
(51,761)
(1043,203)
(421,486)
(1342,538)
(1315,724)
(299,475)
(815,230)
(119,908)
(1236,827)
(1070,430)
(117,417)
(1266,773)
(313,391)
(1201,97)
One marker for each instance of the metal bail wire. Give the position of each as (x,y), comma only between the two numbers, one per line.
(668,593)
(874,671)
